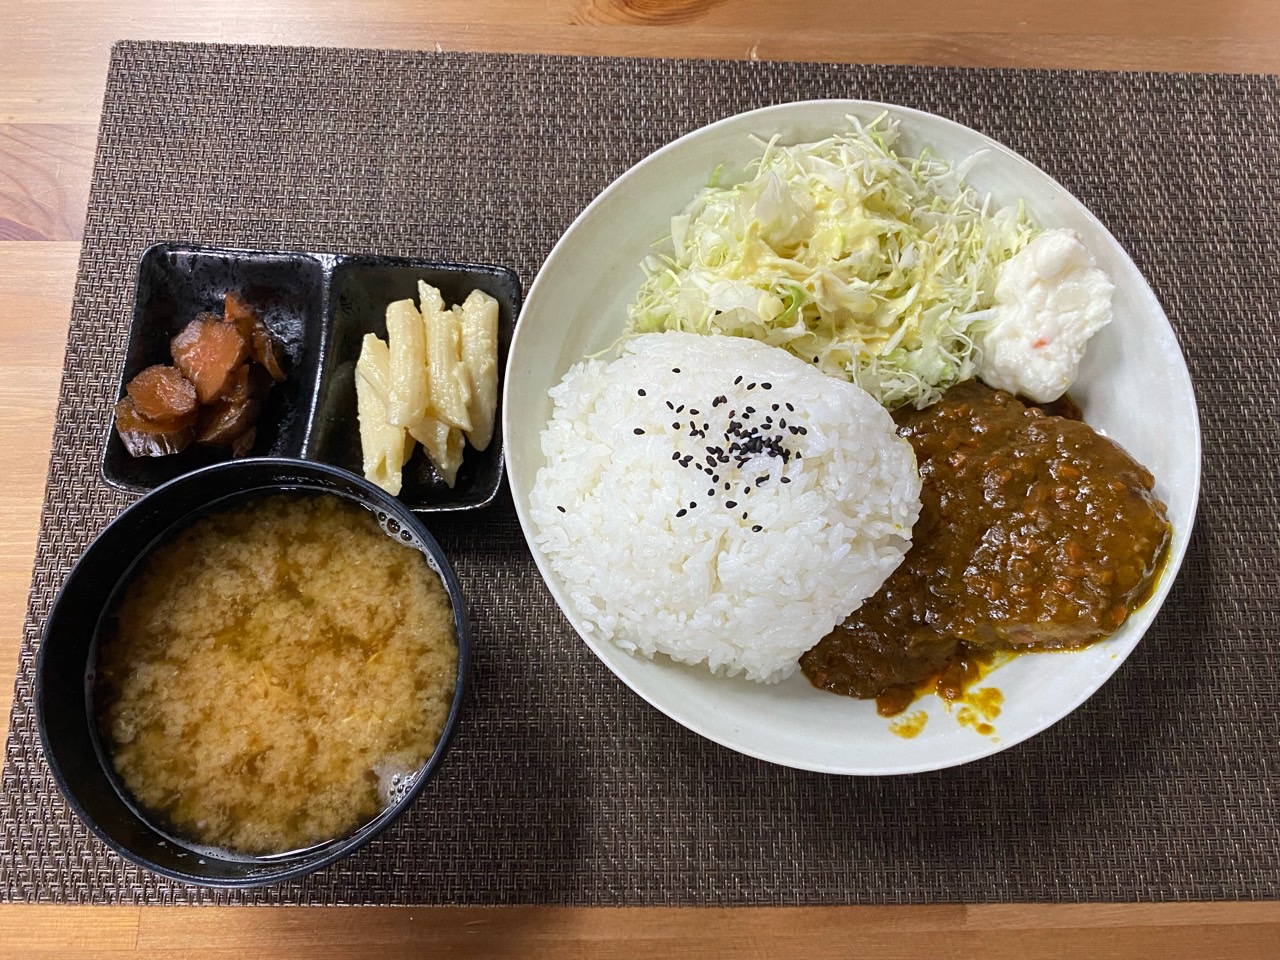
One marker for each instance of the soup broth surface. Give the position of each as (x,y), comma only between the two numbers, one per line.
(275,674)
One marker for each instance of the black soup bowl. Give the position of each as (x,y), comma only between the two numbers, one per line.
(64,666)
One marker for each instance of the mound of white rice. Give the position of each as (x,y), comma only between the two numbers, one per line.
(716,499)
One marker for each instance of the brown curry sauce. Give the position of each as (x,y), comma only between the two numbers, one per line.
(1035,533)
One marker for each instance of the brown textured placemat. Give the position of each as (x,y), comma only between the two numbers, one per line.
(563,787)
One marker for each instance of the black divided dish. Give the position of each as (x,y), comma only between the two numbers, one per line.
(318,306)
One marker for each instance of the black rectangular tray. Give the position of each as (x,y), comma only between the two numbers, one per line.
(318,307)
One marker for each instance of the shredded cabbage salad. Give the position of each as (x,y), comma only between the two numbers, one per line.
(872,266)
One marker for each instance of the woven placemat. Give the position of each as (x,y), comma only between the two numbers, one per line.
(563,787)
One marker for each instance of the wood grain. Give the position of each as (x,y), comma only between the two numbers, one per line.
(52,73)
(36,283)
(1102,932)
(44,180)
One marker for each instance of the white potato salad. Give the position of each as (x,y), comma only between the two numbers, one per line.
(1050,298)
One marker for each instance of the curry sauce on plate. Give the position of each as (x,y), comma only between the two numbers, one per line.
(1035,533)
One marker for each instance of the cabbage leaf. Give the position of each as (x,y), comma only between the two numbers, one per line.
(872,266)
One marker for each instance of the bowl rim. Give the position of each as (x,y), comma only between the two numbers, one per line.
(1177,548)
(327,852)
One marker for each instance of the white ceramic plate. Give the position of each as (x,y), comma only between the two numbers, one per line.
(1133,386)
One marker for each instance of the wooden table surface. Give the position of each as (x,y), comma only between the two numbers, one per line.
(52,71)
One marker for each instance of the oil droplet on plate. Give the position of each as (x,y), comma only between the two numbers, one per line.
(978,708)
(909,725)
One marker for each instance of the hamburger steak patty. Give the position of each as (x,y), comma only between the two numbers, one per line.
(1035,533)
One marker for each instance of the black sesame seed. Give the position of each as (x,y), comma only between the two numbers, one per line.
(730,503)
(751,409)
(640,392)
(775,408)
(790,408)
(726,486)
(676,455)
(560,508)
(637,431)
(675,425)
(693,504)
(670,405)
(804,430)
(744,514)
(757,528)
(760,480)
(767,386)
(681,513)
(711,492)
(738,381)
(786,479)
(680,408)
(751,386)
(675,369)
(693,412)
